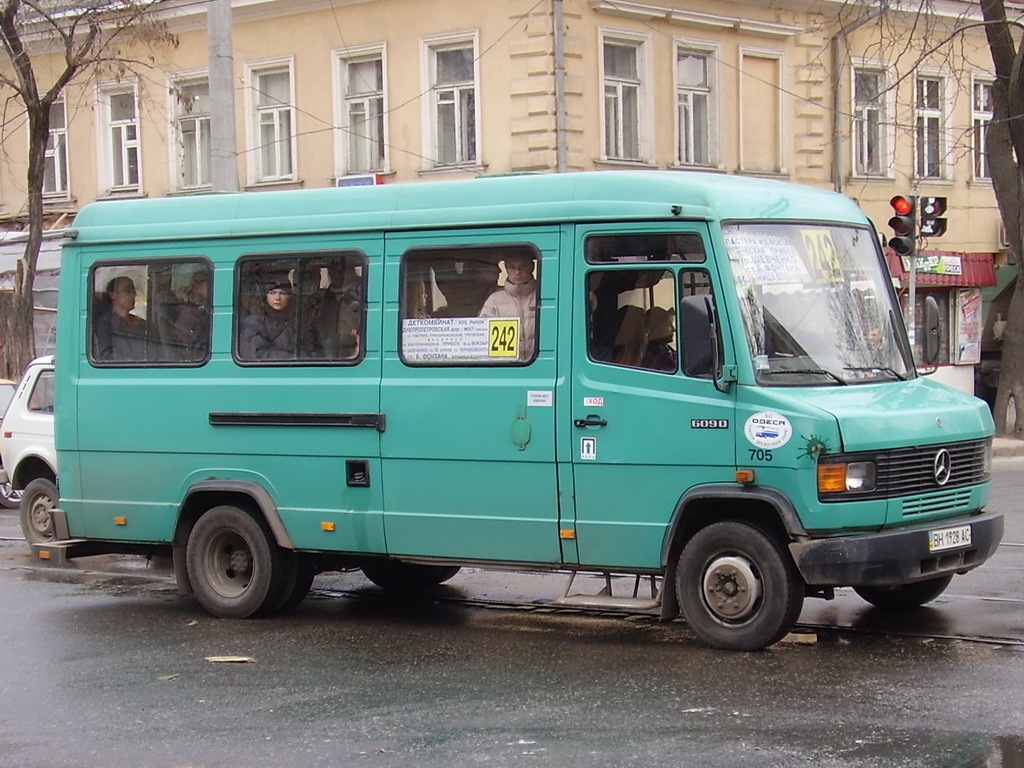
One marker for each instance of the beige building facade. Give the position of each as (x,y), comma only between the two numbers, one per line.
(852,96)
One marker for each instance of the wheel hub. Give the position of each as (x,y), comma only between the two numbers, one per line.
(731,588)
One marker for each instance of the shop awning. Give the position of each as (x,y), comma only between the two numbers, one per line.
(945,269)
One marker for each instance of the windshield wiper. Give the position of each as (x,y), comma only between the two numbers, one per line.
(816,371)
(881,369)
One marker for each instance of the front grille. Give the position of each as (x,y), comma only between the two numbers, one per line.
(911,471)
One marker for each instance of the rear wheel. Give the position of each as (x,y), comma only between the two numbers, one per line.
(37,501)
(235,566)
(905,595)
(301,573)
(407,577)
(737,587)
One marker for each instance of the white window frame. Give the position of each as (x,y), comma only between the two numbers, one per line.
(642,44)
(341,59)
(782,90)
(112,182)
(980,119)
(57,158)
(934,116)
(280,114)
(885,135)
(429,47)
(178,117)
(712,54)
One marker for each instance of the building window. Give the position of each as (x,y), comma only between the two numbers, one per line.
(928,126)
(623,92)
(363,142)
(869,123)
(982,116)
(694,94)
(55,174)
(272,128)
(120,138)
(192,123)
(453,89)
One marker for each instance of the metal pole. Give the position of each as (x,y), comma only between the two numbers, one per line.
(220,57)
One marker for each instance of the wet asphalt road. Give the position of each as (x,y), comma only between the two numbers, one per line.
(103,665)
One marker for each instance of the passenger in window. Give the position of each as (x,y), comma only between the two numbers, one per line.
(120,335)
(518,298)
(185,322)
(661,334)
(339,314)
(269,332)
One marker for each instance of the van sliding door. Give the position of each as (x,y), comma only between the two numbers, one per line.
(468,453)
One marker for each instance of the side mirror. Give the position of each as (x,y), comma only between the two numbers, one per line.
(697,337)
(931,330)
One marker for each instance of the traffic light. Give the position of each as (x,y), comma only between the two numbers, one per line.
(932,223)
(903,224)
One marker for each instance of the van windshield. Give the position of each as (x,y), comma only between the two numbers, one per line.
(816,304)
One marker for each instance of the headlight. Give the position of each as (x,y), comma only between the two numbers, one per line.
(856,476)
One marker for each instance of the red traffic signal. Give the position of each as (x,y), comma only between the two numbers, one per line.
(903,224)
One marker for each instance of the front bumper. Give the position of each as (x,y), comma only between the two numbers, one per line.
(894,557)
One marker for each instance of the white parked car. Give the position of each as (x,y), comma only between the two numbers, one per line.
(29,457)
(9,497)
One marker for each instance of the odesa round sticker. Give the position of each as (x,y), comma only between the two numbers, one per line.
(768,429)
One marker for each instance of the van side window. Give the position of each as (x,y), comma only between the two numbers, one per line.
(307,308)
(633,319)
(41,399)
(470,306)
(150,313)
(638,248)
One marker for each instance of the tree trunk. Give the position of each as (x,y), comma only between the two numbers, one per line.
(21,338)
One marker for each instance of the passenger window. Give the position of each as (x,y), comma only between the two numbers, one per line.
(633,319)
(41,399)
(470,306)
(150,313)
(307,308)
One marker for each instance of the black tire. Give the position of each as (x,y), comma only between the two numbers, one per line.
(905,595)
(9,498)
(737,587)
(37,500)
(394,575)
(235,566)
(301,572)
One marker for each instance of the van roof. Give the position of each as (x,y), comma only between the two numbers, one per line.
(513,199)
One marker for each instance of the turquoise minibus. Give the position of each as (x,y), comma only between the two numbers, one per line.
(699,381)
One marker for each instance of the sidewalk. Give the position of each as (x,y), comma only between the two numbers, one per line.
(1007,447)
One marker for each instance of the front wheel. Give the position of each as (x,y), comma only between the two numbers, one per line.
(9,498)
(905,595)
(737,587)
(38,499)
(235,566)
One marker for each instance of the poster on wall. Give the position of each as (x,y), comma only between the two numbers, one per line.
(969,326)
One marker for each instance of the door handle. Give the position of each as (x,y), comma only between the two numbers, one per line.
(590,421)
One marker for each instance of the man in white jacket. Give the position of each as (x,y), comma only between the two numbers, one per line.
(518,298)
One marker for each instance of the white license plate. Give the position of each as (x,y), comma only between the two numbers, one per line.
(949,538)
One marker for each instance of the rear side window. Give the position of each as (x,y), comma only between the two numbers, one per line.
(470,306)
(306,308)
(41,399)
(150,313)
